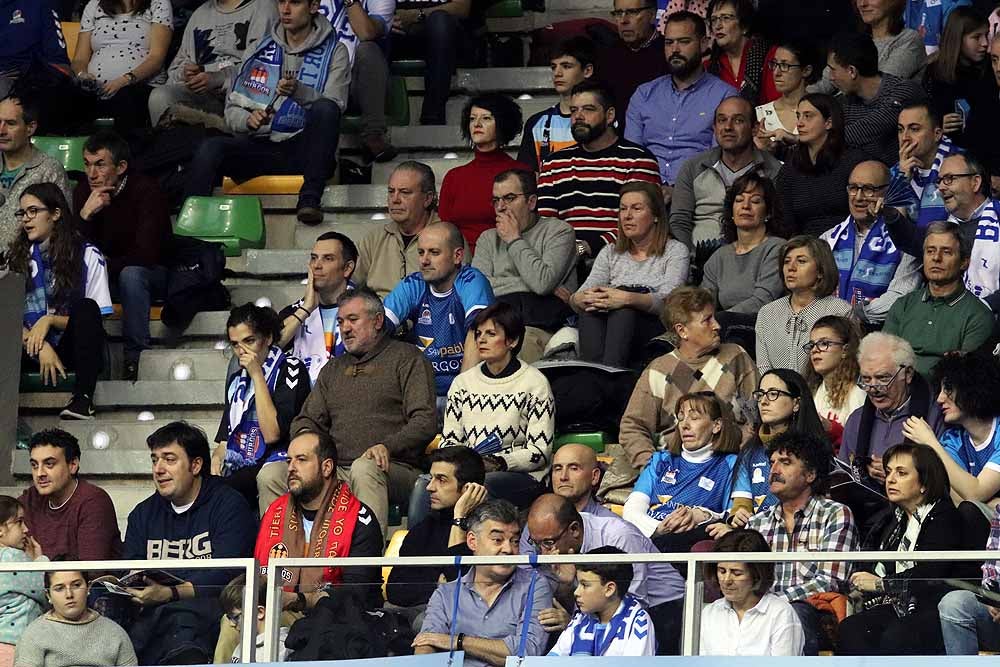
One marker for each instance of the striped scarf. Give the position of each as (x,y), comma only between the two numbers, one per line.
(868,276)
(983,276)
(918,193)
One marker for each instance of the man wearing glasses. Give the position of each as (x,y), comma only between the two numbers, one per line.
(963,184)
(530,261)
(895,392)
(556,527)
(637,57)
(873,271)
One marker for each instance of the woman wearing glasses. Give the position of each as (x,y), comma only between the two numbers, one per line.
(736,57)
(263,395)
(687,485)
(620,302)
(833,370)
(792,69)
(66,293)
(783,326)
(785,404)
(813,181)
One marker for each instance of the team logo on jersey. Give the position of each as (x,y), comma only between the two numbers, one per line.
(451,319)
(424,343)
(758,501)
(758,476)
(16,17)
(670,477)
(279,550)
(425,316)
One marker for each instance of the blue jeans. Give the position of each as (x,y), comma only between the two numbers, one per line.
(137,285)
(966,624)
(519,488)
(312,153)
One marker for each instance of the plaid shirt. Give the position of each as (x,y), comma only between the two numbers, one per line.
(822,525)
(991,568)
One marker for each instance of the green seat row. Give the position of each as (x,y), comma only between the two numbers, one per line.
(235,222)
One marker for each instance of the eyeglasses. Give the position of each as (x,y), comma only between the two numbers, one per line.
(771,394)
(617,14)
(507,199)
(948,179)
(777,65)
(549,544)
(29,213)
(721,18)
(865,189)
(823,345)
(878,384)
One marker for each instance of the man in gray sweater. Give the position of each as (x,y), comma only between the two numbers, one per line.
(530,261)
(377,402)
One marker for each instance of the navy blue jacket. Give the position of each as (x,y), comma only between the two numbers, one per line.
(30,33)
(220,524)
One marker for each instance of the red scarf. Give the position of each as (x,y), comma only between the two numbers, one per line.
(281,536)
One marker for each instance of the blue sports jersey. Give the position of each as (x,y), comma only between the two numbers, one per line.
(957,442)
(30,33)
(671,480)
(753,472)
(440,321)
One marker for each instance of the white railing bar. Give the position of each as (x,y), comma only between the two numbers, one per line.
(116,565)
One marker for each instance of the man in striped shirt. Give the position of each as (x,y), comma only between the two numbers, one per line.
(580,184)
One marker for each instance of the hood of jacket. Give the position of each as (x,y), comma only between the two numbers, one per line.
(321,29)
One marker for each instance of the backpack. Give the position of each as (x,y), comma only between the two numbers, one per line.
(194,281)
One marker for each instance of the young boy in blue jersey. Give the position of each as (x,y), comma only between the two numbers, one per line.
(441,301)
(970,443)
(609,620)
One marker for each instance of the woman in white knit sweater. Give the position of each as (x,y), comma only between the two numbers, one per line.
(503,408)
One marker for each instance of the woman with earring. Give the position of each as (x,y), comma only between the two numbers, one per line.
(737,57)
(783,326)
(832,372)
(899,598)
(489,123)
(66,295)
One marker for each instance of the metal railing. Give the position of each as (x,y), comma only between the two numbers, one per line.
(693,585)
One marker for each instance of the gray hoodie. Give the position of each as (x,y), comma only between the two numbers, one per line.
(338,80)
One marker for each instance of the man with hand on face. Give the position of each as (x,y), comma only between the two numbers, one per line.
(494,599)
(804,520)
(874,273)
(556,527)
(575,184)
(456,488)
(192,515)
(944,317)
(70,517)
(376,402)
(895,392)
(441,301)
(309,326)
(530,261)
(135,246)
(672,115)
(923,147)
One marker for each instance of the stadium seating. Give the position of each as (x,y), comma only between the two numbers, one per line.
(67,151)
(235,222)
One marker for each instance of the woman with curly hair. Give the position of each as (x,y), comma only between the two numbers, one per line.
(832,371)
(66,293)
(489,123)
(744,274)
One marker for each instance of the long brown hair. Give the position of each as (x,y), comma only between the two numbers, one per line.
(116,7)
(661,229)
(843,376)
(65,245)
(727,440)
(961,21)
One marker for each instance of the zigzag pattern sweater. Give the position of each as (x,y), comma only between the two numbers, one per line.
(518,408)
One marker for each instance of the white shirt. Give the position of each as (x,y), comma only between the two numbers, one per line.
(769,628)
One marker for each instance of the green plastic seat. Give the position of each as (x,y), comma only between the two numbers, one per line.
(67,151)
(235,222)
(408,67)
(595,440)
(32,383)
(397,108)
(505,9)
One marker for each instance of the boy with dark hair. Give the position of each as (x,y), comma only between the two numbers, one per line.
(609,620)
(571,62)
(231,600)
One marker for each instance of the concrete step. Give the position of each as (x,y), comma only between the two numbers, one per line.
(153,394)
(276,294)
(440,164)
(123,435)
(207,324)
(356,230)
(281,262)
(504,79)
(207,418)
(172,364)
(531,105)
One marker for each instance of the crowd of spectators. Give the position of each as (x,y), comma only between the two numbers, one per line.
(790,239)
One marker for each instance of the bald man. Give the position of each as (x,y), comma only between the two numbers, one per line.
(441,302)
(576,475)
(556,527)
(873,271)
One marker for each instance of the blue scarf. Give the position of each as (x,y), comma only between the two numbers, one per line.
(983,275)
(245,445)
(918,194)
(37,297)
(868,276)
(587,641)
(257,81)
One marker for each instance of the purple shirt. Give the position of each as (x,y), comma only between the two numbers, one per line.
(675,124)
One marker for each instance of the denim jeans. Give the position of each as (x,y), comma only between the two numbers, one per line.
(312,153)
(137,285)
(966,624)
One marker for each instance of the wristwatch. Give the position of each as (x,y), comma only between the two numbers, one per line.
(349,3)
(462,523)
(131,78)
(420,16)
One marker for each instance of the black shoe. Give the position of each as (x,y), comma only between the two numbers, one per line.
(377,149)
(309,215)
(131,373)
(81,407)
